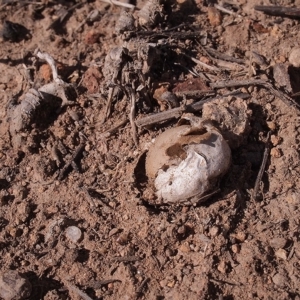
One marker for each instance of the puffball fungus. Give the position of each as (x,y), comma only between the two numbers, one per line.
(185,163)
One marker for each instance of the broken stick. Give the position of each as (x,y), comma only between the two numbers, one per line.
(76,153)
(234,83)
(262,168)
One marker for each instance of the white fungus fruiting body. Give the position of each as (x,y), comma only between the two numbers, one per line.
(185,163)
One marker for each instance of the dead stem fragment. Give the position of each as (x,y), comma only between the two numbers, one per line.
(172,113)
(279,10)
(223,56)
(76,290)
(119,3)
(107,133)
(262,168)
(132,115)
(76,153)
(139,290)
(98,284)
(126,259)
(202,64)
(234,83)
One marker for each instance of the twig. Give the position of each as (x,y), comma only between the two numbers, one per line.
(262,168)
(223,56)
(76,153)
(126,259)
(107,133)
(172,113)
(227,65)
(194,93)
(166,33)
(202,64)
(141,287)
(94,193)
(93,15)
(118,3)
(217,281)
(75,289)
(178,111)
(99,283)
(108,104)
(291,253)
(50,61)
(227,11)
(161,116)
(132,115)
(234,83)
(279,10)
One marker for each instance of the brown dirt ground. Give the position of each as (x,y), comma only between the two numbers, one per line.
(230,247)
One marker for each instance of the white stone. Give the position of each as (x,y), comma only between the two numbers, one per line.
(73,233)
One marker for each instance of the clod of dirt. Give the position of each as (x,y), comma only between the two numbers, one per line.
(13,286)
(281,253)
(113,62)
(280,280)
(151,13)
(73,233)
(214,16)
(125,22)
(281,76)
(278,243)
(92,79)
(185,162)
(165,98)
(231,115)
(294,57)
(92,37)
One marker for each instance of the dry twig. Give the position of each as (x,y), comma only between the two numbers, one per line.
(262,168)
(172,113)
(227,11)
(141,287)
(75,289)
(107,133)
(234,83)
(126,259)
(132,115)
(279,10)
(200,63)
(76,153)
(119,3)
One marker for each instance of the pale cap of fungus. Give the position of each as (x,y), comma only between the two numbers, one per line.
(186,161)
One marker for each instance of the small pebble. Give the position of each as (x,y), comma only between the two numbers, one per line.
(13,286)
(279,280)
(294,57)
(92,37)
(275,152)
(281,253)
(185,248)
(73,233)
(278,243)
(222,267)
(241,236)
(275,140)
(235,248)
(214,231)
(214,16)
